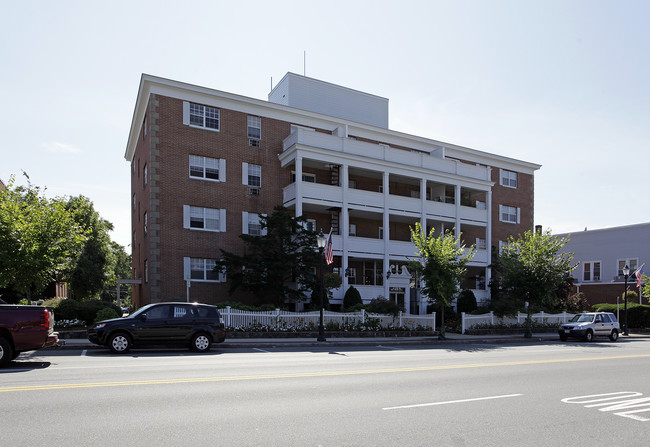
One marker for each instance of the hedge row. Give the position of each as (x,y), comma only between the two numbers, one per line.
(85,311)
(638,315)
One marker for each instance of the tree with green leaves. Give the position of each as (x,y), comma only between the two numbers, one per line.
(90,270)
(276,266)
(38,237)
(534,269)
(442,267)
(645,287)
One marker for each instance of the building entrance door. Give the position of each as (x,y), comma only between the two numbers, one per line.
(397,296)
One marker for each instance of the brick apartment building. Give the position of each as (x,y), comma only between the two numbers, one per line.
(206,163)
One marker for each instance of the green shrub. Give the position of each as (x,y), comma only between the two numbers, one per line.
(466,301)
(638,315)
(67,310)
(106,313)
(351,298)
(381,305)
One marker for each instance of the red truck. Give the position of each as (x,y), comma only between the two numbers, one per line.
(24,328)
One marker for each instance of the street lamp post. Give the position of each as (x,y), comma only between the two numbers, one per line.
(626,274)
(321,239)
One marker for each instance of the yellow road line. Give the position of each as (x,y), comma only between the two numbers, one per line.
(307,374)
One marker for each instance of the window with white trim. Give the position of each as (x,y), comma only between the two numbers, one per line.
(206,219)
(502,246)
(251,224)
(146,223)
(204,270)
(591,271)
(481,243)
(508,178)
(207,168)
(309,225)
(632,263)
(254,127)
(509,214)
(145,176)
(306,177)
(203,116)
(253,175)
(353,229)
(351,273)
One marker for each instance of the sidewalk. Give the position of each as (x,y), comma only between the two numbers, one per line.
(452,338)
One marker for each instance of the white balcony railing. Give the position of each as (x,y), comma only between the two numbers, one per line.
(319,140)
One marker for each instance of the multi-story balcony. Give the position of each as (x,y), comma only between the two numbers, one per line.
(307,139)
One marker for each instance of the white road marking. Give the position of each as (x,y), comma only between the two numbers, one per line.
(83,353)
(390,347)
(452,402)
(261,350)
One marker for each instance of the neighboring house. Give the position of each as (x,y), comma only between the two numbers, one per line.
(205,164)
(601,256)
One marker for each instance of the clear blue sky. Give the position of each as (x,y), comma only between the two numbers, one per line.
(565,84)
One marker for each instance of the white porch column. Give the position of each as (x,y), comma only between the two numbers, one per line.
(488,242)
(299,186)
(457,201)
(386,223)
(423,201)
(344,224)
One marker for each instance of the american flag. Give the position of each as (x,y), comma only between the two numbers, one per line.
(329,250)
(639,275)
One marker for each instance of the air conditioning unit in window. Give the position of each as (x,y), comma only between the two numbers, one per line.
(253,142)
(254,191)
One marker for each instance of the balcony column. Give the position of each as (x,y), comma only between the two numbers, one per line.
(386,224)
(423,200)
(488,240)
(458,210)
(344,224)
(299,186)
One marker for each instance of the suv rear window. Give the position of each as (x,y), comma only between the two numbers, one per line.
(207,312)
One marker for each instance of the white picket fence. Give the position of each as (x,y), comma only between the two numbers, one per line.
(285,321)
(470,321)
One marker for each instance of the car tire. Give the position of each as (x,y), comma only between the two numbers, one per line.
(6,352)
(614,335)
(589,335)
(119,343)
(201,342)
(15,355)
(563,337)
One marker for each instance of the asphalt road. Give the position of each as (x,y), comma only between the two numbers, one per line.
(454,395)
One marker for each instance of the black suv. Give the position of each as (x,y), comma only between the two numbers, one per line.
(162,324)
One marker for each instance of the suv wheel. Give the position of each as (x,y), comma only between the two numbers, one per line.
(119,343)
(201,342)
(589,335)
(614,335)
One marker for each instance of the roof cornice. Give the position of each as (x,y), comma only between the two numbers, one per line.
(156,85)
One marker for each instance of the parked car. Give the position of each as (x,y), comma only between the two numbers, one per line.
(24,328)
(589,325)
(162,324)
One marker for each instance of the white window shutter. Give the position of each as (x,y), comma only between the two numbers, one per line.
(263,230)
(501,213)
(244,222)
(186,113)
(244,173)
(186,268)
(222,170)
(222,219)
(186,216)
(518,215)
